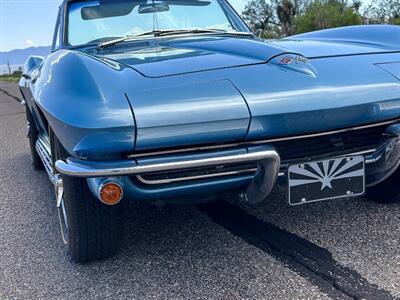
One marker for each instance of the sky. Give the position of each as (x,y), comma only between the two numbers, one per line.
(26,23)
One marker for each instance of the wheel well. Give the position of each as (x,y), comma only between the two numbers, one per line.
(44,120)
(61,153)
(38,117)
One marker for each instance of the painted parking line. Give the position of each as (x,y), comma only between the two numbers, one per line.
(300,255)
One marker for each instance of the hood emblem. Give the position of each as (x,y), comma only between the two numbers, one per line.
(286,60)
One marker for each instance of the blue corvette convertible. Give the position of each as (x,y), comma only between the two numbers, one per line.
(178,100)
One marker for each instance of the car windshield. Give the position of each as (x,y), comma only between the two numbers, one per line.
(104,20)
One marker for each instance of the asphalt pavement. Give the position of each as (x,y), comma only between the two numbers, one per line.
(345,249)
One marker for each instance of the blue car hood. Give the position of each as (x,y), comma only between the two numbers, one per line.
(245,89)
(188,55)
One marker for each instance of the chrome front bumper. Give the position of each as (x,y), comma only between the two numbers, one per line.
(380,164)
(80,168)
(263,180)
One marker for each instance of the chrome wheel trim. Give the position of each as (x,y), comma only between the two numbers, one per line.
(62,211)
(62,216)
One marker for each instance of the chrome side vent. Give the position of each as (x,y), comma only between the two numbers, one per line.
(43,149)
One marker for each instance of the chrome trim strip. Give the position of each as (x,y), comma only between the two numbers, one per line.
(79,168)
(200,148)
(371,160)
(364,153)
(173,180)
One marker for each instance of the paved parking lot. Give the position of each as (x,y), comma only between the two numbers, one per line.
(347,249)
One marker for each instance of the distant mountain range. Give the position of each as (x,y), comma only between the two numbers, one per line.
(18,57)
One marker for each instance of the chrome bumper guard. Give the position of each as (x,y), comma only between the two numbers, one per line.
(80,168)
(386,159)
(264,180)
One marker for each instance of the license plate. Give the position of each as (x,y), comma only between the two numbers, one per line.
(326,180)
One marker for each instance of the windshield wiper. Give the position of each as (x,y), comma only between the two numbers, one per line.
(159,33)
(111,43)
(196,31)
(186,31)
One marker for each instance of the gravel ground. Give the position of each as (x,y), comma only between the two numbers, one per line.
(177,252)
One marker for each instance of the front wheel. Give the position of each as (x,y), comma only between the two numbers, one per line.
(387,191)
(90,229)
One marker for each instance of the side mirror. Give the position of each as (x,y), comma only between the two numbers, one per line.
(26,76)
(32,63)
(259,32)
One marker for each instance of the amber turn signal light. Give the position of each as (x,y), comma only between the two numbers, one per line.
(111,193)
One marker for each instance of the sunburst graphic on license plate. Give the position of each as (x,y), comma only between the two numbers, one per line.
(328,179)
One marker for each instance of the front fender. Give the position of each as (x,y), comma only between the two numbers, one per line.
(85,106)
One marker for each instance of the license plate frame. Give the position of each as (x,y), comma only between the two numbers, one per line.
(328,179)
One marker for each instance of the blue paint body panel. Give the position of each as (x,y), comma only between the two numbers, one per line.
(184,91)
(187,55)
(372,37)
(393,68)
(90,118)
(173,120)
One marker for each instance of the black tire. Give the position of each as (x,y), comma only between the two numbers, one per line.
(387,191)
(32,136)
(94,230)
